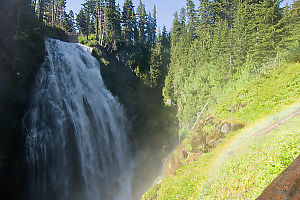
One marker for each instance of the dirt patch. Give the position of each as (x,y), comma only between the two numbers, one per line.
(278,123)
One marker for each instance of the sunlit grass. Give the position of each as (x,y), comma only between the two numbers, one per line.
(244,163)
(262,96)
(233,171)
(254,164)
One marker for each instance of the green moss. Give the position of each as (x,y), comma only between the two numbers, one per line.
(208,128)
(104,61)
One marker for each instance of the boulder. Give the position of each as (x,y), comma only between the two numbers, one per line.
(233,109)
(170,164)
(225,128)
(196,142)
(184,154)
(217,142)
(236,126)
(211,144)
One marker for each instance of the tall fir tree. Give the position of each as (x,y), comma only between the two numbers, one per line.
(128,21)
(191,13)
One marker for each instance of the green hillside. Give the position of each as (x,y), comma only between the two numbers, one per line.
(234,78)
(246,161)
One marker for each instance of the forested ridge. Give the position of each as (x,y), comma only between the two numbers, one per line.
(233,65)
(130,31)
(223,44)
(209,50)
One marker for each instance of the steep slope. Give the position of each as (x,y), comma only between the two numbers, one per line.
(246,161)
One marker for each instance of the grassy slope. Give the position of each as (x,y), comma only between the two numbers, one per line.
(244,164)
(262,96)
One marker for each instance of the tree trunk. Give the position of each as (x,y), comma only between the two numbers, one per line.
(41,11)
(33,6)
(52,14)
(100,26)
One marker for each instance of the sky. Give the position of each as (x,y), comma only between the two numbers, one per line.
(165,8)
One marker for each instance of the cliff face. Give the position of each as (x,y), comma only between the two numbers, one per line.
(154,125)
(21,52)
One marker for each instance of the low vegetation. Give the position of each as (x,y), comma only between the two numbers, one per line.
(242,59)
(238,176)
(244,163)
(220,47)
(263,95)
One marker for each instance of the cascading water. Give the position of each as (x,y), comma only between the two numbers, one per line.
(76,131)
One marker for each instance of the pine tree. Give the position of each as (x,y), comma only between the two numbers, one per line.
(142,18)
(165,43)
(41,8)
(176,29)
(288,32)
(182,17)
(69,22)
(192,17)
(82,22)
(141,47)
(151,26)
(112,20)
(266,16)
(156,75)
(128,22)
(205,14)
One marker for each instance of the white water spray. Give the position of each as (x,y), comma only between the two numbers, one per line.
(76,131)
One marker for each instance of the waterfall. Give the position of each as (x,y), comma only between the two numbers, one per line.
(76,131)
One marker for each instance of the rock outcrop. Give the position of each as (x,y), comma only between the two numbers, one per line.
(199,142)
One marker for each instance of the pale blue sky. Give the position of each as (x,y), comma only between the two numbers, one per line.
(165,8)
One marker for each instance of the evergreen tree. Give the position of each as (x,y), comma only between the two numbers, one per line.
(61,12)
(151,26)
(128,21)
(82,22)
(288,32)
(176,29)
(205,14)
(192,17)
(156,75)
(69,22)
(165,43)
(41,8)
(142,19)
(142,51)
(112,20)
